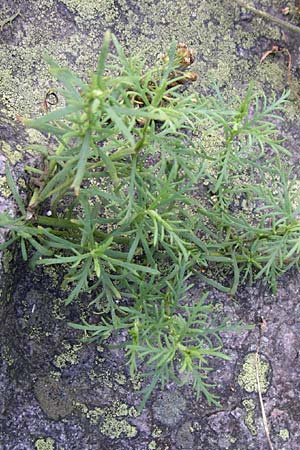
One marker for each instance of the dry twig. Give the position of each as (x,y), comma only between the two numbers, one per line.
(268,16)
(257,371)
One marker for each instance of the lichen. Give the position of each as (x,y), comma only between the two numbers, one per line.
(250,416)
(67,357)
(114,428)
(6,259)
(169,408)
(12,155)
(120,378)
(142,27)
(45,444)
(55,398)
(247,377)
(156,431)
(4,189)
(7,356)
(105,378)
(284,434)
(111,419)
(88,9)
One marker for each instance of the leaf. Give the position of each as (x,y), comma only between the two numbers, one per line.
(60,113)
(214,283)
(14,190)
(61,260)
(102,59)
(6,244)
(64,75)
(40,248)
(121,125)
(131,266)
(81,166)
(236,275)
(109,164)
(81,283)
(24,250)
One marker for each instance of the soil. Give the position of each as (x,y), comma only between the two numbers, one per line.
(57,393)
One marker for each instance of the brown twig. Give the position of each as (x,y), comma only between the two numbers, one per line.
(276,49)
(269,17)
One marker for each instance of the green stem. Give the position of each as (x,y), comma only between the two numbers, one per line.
(69,225)
(141,141)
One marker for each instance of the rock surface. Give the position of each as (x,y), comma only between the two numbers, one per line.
(57,394)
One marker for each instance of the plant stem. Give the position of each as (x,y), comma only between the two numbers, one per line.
(267,16)
(64,224)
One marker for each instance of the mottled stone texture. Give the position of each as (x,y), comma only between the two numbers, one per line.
(56,394)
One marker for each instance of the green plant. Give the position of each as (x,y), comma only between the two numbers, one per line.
(139,206)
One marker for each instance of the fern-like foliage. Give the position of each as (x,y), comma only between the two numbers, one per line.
(139,207)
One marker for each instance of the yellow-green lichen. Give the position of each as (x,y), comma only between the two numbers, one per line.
(53,274)
(114,428)
(5,192)
(12,155)
(120,378)
(88,9)
(68,357)
(6,259)
(196,426)
(154,33)
(45,444)
(111,419)
(247,378)
(105,378)
(152,445)
(25,78)
(156,431)
(7,356)
(250,416)
(57,308)
(284,434)
(136,381)
(295,195)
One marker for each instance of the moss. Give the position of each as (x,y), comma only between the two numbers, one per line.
(247,377)
(250,416)
(45,444)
